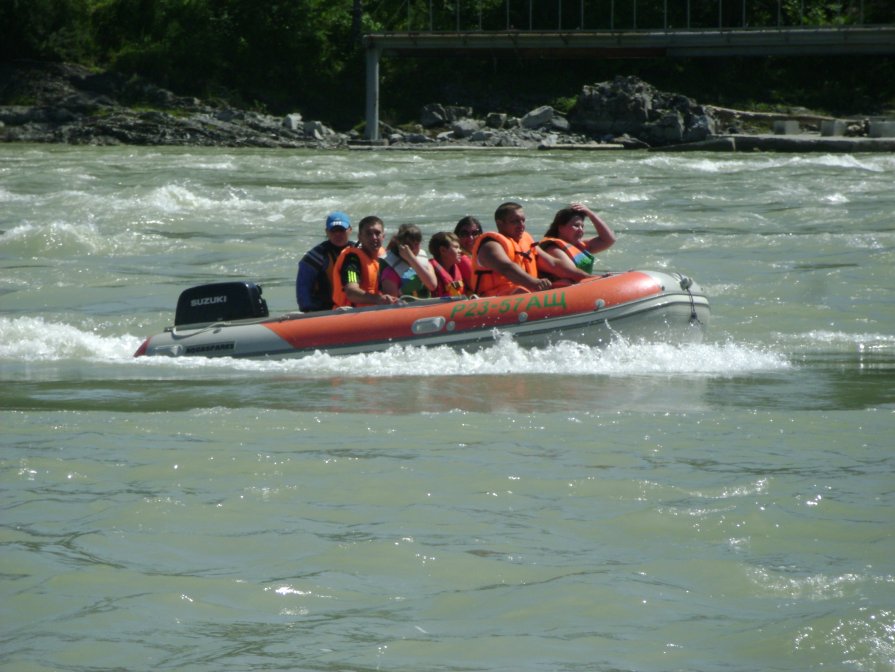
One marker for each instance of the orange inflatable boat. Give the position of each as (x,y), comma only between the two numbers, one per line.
(232,320)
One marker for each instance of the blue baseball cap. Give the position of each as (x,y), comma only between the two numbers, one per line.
(337,219)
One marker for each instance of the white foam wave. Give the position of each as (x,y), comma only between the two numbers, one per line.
(62,239)
(506,357)
(748,163)
(841,340)
(624,197)
(7,196)
(871,164)
(29,239)
(711,165)
(35,339)
(176,198)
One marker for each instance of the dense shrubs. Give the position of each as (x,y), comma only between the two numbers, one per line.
(283,55)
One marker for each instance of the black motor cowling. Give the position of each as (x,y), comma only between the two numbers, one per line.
(220,302)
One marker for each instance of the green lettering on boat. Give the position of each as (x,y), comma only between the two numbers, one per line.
(555,300)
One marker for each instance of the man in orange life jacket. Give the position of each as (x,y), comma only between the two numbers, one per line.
(507,262)
(356,273)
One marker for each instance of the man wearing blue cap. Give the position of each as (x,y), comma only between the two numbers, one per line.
(313,284)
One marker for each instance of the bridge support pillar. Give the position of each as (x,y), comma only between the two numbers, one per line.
(372,126)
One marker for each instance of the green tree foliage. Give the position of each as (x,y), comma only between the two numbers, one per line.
(269,54)
(46,29)
(284,55)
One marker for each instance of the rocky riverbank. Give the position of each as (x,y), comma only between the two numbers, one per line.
(63,103)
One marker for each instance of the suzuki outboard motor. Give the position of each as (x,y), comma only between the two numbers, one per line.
(220,302)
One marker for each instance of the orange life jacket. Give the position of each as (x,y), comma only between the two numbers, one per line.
(369,275)
(522,253)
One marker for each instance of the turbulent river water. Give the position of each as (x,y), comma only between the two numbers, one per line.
(719,507)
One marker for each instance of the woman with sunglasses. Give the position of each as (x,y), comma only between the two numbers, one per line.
(467,230)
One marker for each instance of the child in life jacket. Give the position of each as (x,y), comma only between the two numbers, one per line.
(445,251)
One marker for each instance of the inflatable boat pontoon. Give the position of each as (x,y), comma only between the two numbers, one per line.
(231,319)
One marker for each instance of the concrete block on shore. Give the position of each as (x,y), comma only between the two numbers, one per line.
(882,129)
(361,143)
(833,127)
(713,144)
(786,127)
(293,122)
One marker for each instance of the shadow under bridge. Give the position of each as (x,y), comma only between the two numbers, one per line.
(859,27)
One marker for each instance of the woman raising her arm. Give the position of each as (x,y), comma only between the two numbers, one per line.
(565,245)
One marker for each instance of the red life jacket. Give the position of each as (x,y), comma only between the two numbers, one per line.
(449,284)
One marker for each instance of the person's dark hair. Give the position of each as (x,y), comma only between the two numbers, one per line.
(406,234)
(465,222)
(505,209)
(439,240)
(561,217)
(369,220)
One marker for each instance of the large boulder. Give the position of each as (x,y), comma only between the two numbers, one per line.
(700,128)
(317,130)
(628,105)
(613,108)
(496,120)
(667,130)
(538,117)
(435,115)
(463,128)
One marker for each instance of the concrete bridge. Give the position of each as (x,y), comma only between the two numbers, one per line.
(661,42)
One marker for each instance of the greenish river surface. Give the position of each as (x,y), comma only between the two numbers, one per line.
(721,507)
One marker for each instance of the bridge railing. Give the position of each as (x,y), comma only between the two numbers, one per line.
(624,15)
